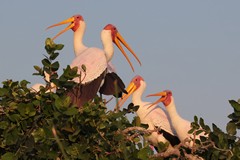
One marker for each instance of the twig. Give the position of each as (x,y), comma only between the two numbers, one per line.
(104,138)
(2,111)
(141,129)
(212,144)
(59,143)
(176,151)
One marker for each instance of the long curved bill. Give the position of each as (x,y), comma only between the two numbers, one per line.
(121,39)
(130,89)
(163,97)
(69,20)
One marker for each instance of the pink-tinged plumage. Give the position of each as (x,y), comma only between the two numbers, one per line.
(95,60)
(180,125)
(154,116)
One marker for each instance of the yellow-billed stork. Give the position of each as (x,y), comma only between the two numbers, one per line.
(155,117)
(181,125)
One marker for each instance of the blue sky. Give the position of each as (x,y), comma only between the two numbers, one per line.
(189,47)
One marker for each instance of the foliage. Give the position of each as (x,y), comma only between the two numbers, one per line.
(47,125)
(218,144)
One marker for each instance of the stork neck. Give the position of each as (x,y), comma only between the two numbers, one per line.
(78,45)
(137,98)
(137,95)
(107,44)
(172,111)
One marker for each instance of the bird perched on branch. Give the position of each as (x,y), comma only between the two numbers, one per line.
(180,125)
(155,116)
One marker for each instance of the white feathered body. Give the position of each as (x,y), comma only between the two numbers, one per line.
(95,62)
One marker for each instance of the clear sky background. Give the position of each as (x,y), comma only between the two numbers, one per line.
(189,47)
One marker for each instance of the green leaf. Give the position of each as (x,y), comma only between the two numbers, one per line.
(216,129)
(207,128)
(102,126)
(36,103)
(4,125)
(84,68)
(59,46)
(74,136)
(37,68)
(195,119)
(24,83)
(55,66)
(71,111)
(137,121)
(203,138)
(12,136)
(199,132)
(54,55)
(195,125)
(235,105)
(191,131)
(22,109)
(74,150)
(30,110)
(162,146)
(46,62)
(144,153)
(201,122)
(144,126)
(3,91)
(26,109)
(8,156)
(15,117)
(38,135)
(49,42)
(231,128)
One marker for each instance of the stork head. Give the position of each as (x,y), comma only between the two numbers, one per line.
(133,86)
(166,97)
(116,39)
(74,24)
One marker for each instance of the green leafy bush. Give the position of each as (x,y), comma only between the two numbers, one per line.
(46,125)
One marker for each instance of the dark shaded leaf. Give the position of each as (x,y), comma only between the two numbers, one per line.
(235,105)
(3,91)
(55,66)
(53,56)
(84,68)
(4,124)
(59,46)
(71,111)
(195,119)
(231,128)
(46,62)
(37,68)
(144,153)
(8,156)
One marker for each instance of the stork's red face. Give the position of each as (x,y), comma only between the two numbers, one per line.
(113,30)
(132,87)
(74,24)
(116,38)
(165,97)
